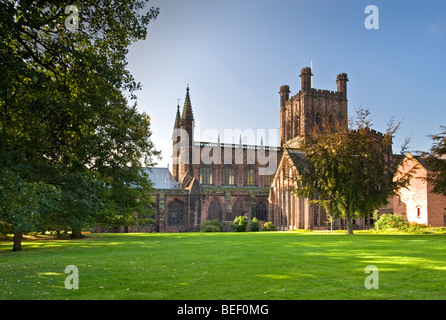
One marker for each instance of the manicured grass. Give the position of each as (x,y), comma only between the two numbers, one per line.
(235,266)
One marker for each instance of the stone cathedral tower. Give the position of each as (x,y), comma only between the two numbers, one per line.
(299,116)
(309,107)
(183,140)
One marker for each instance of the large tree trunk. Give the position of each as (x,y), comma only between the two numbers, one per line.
(348,219)
(17,246)
(76,233)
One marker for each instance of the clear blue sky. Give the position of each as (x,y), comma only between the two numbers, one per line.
(237,53)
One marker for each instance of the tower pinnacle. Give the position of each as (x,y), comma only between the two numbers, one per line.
(188,116)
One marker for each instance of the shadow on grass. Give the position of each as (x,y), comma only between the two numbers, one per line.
(237,265)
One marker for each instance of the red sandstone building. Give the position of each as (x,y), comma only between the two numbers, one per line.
(221,181)
(211,180)
(299,114)
(418,203)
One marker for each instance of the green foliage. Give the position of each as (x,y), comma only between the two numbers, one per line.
(348,171)
(255,225)
(211,226)
(24,204)
(437,162)
(417,227)
(70,132)
(269,226)
(391,221)
(240,223)
(397,223)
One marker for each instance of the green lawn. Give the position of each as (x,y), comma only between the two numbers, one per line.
(262,265)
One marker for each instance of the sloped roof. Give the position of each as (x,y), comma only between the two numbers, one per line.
(162,178)
(423,162)
(295,156)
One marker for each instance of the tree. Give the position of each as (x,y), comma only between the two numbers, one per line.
(67,121)
(350,172)
(437,161)
(23,204)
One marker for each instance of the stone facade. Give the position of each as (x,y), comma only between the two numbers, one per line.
(221,181)
(216,180)
(300,115)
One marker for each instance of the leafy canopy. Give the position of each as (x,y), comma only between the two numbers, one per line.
(71,136)
(350,171)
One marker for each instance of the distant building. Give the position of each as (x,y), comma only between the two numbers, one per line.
(418,203)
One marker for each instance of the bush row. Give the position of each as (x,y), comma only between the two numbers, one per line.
(388,222)
(239,225)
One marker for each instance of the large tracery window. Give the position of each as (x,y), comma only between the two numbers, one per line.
(215,211)
(175,214)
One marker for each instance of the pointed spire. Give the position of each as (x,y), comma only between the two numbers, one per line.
(177,118)
(176,126)
(187,109)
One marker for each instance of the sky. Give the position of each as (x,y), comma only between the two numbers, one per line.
(235,55)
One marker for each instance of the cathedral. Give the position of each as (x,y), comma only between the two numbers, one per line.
(211,180)
(299,115)
(214,180)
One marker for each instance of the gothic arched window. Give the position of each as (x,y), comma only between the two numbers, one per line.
(239,208)
(331,120)
(228,176)
(175,214)
(250,177)
(318,119)
(261,211)
(206,175)
(215,211)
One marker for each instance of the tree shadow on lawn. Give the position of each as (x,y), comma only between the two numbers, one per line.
(408,267)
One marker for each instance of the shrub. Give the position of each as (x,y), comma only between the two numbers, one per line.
(211,226)
(416,227)
(255,225)
(269,226)
(239,224)
(391,221)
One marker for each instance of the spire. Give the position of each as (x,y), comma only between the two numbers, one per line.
(176,126)
(177,118)
(187,109)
